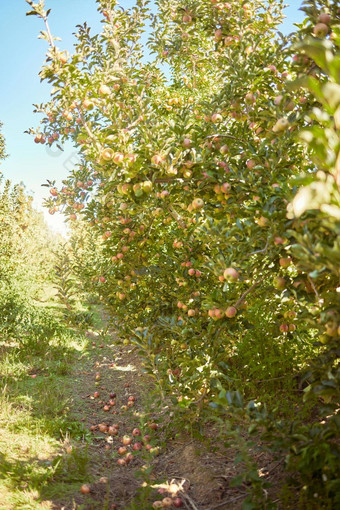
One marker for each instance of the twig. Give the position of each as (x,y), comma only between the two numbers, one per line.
(192,503)
(245,294)
(271,378)
(260,251)
(313,287)
(177,217)
(263,250)
(186,504)
(88,131)
(226,502)
(275,466)
(221,136)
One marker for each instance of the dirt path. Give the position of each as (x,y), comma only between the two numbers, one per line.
(161,466)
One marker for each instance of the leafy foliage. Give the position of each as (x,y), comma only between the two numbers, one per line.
(209,198)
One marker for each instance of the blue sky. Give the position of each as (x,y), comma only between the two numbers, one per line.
(21,56)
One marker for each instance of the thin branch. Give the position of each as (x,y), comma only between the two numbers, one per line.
(260,251)
(313,287)
(245,294)
(49,35)
(226,502)
(263,250)
(88,131)
(222,136)
(177,217)
(166,179)
(188,498)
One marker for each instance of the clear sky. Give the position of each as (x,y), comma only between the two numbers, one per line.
(21,56)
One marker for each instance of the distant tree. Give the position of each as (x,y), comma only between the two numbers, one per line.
(2,145)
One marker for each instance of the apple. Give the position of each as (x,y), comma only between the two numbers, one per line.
(285,262)
(231,275)
(191,271)
(324,18)
(250,98)
(128,457)
(157,159)
(118,158)
(96,394)
(279,283)
(284,328)
(197,203)
(166,502)
(104,90)
(216,118)
(85,489)
(251,163)
(278,100)
(87,104)
(231,311)
(126,440)
(218,314)
(147,186)
(320,30)
(122,450)
(218,36)
(281,125)
(102,279)
(225,187)
(62,58)
(136,432)
(177,502)
(107,154)
(157,504)
(191,313)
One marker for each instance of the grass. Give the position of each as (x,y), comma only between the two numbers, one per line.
(39,456)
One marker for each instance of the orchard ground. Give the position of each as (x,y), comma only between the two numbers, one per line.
(56,444)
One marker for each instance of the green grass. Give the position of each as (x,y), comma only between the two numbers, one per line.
(43,448)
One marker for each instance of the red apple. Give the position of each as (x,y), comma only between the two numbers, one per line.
(231,275)
(104,90)
(320,30)
(177,503)
(231,311)
(324,18)
(85,489)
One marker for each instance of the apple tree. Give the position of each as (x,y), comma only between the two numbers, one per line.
(188,159)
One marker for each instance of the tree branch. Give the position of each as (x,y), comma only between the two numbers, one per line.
(176,217)
(245,294)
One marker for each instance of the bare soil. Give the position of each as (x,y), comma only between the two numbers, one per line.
(179,466)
